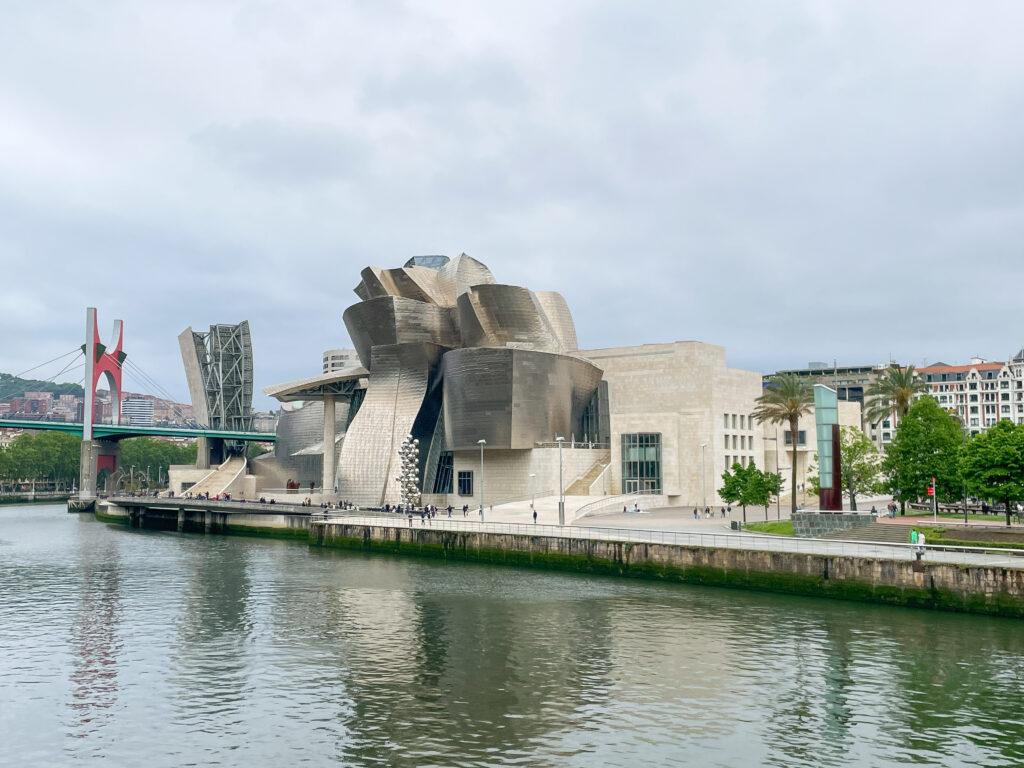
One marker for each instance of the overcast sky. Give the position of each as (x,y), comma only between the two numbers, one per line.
(723,171)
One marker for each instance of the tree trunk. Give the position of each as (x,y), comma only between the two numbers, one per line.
(853,501)
(744,512)
(794,424)
(1007,513)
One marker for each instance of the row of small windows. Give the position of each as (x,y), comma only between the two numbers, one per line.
(737,442)
(737,421)
(743,461)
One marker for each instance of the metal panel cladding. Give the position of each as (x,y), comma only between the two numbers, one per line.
(505,315)
(513,398)
(394,320)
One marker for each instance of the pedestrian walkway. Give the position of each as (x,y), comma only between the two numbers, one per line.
(722,539)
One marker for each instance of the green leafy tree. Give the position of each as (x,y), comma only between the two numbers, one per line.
(993,464)
(927,444)
(773,483)
(41,456)
(155,454)
(748,486)
(786,398)
(890,395)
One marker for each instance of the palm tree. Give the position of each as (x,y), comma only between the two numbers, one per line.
(786,398)
(891,395)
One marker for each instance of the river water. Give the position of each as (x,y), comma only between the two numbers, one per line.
(122,647)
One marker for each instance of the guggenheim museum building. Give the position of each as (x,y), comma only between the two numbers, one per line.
(488,375)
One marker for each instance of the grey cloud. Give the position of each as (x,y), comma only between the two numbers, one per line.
(731,173)
(277,151)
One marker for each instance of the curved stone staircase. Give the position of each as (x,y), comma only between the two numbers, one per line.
(221,478)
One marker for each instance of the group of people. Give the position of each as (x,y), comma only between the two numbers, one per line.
(426,513)
(709,513)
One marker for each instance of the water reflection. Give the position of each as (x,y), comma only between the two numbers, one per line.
(95,637)
(169,649)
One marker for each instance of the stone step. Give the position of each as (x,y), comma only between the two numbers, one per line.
(581,485)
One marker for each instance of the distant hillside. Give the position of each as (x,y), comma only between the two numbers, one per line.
(12,386)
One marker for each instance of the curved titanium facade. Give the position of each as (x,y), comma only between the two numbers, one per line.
(454,357)
(392,320)
(399,381)
(513,398)
(300,435)
(505,315)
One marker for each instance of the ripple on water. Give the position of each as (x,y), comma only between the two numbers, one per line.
(129,647)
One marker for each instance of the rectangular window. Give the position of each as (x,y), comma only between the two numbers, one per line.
(734,421)
(727,442)
(465,482)
(725,420)
(641,462)
(1005,396)
(801,437)
(743,421)
(974,422)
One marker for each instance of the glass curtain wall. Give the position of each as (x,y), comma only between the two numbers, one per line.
(641,463)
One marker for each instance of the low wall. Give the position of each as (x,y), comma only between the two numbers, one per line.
(212,519)
(955,587)
(976,589)
(817,525)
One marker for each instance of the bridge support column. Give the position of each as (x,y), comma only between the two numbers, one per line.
(181,520)
(330,462)
(96,455)
(202,453)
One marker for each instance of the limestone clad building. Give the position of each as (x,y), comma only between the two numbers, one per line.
(678,416)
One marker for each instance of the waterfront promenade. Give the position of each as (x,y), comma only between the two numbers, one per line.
(715,539)
(657,527)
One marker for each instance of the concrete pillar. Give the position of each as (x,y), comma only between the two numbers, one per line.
(330,462)
(202,453)
(207,521)
(87,471)
(181,520)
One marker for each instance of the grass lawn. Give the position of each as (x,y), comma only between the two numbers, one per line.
(993,519)
(774,527)
(953,539)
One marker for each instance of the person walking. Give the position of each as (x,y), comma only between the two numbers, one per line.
(535,517)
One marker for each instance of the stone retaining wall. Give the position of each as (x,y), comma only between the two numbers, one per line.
(817,525)
(976,589)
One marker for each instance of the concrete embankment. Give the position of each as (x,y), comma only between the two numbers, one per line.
(970,588)
(209,517)
(976,588)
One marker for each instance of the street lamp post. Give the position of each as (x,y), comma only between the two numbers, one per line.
(703,477)
(561,491)
(481,443)
(533,492)
(778,471)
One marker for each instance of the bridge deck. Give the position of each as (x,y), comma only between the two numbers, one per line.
(121,431)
